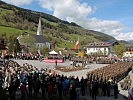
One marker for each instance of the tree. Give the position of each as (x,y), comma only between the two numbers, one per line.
(28,41)
(12,43)
(119,49)
(44,50)
(16,46)
(33,49)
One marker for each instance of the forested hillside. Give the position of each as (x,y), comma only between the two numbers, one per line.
(17,21)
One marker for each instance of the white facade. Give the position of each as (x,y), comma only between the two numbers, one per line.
(101,50)
(128,54)
(43,45)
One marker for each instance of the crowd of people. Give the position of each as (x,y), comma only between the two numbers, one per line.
(105,60)
(107,78)
(33,82)
(126,83)
(116,71)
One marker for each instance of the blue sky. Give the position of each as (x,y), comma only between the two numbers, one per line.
(113,17)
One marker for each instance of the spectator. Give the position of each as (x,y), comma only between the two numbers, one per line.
(73,94)
(23,91)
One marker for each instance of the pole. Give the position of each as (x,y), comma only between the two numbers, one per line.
(78,41)
(78,48)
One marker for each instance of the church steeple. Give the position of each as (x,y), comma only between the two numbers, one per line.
(39,29)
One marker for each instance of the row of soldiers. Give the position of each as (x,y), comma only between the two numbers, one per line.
(116,71)
(98,60)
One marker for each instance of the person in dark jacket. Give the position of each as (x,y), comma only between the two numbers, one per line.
(116,90)
(73,94)
(12,91)
(30,84)
(83,86)
(108,88)
(23,91)
(94,90)
(60,87)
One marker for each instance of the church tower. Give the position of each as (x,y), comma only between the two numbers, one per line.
(39,29)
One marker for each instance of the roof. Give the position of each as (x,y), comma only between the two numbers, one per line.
(102,44)
(113,42)
(98,44)
(40,38)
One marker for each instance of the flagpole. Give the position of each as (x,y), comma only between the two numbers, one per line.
(78,45)
(78,49)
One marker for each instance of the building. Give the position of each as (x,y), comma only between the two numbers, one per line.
(100,48)
(40,40)
(128,52)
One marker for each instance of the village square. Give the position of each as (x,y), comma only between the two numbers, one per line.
(101,75)
(43,57)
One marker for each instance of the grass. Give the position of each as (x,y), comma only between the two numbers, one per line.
(66,45)
(74,37)
(12,31)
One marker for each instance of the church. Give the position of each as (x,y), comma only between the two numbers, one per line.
(40,41)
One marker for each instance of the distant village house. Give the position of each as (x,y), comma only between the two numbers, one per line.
(101,48)
(128,52)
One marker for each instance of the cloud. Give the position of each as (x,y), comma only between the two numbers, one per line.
(109,27)
(18,2)
(125,36)
(65,9)
(75,11)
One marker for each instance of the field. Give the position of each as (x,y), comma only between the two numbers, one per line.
(12,31)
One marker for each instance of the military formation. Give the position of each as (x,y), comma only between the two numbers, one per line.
(97,60)
(116,71)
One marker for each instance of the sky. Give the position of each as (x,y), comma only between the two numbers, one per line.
(112,17)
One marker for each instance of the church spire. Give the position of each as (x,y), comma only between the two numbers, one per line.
(39,29)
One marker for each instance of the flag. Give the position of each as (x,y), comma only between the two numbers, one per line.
(76,45)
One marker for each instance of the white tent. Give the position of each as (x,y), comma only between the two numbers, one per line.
(53,52)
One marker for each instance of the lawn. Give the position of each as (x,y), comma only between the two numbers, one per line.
(12,31)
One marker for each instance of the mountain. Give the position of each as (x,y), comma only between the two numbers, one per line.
(17,21)
(130,41)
